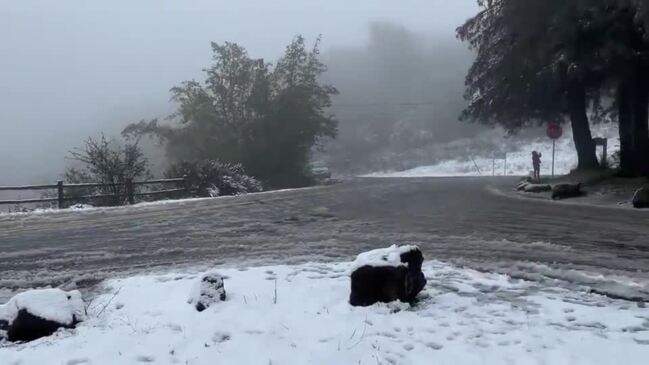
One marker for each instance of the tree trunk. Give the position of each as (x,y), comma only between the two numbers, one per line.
(625,121)
(587,158)
(640,126)
(633,108)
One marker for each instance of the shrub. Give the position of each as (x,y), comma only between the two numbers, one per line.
(105,162)
(214,178)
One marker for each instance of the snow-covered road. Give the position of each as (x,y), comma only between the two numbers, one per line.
(452,219)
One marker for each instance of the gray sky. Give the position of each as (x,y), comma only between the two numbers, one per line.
(69,69)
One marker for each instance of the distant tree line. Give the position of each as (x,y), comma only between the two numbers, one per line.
(563,60)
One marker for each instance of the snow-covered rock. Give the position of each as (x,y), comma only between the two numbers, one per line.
(641,198)
(386,275)
(562,191)
(38,313)
(207,290)
(534,188)
(81,206)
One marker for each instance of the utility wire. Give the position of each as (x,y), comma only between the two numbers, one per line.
(406,104)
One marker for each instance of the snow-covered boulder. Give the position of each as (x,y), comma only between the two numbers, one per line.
(38,313)
(386,275)
(81,206)
(207,290)
(521,185)
(562,191)
(641,198)
(534,188)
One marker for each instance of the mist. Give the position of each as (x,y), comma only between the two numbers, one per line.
(72,69)
(401,93)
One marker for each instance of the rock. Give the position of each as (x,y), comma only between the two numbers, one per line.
(641,198)
(562,191)
(386,275)
(4,327)
(207,290)
(536,188)
(38,313)
(521,186)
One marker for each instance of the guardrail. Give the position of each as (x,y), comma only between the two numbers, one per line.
(129,188)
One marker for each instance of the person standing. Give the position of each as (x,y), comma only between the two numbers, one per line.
(536,163)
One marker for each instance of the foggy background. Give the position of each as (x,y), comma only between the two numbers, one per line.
(72,69)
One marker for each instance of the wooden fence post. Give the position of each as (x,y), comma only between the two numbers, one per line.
(130,194)
(59,191)
(186,186)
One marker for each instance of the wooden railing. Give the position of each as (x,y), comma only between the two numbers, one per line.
(129,189)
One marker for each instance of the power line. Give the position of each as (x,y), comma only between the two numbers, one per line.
(385,104)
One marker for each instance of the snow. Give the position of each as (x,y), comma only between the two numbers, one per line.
(87,208)
(51,304)
(533,188)
(519,160)
(299,315)
(390,256)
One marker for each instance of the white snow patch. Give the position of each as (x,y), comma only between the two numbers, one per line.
(51,304)
(519,160)
(390,256)
(463,317)
(87,208)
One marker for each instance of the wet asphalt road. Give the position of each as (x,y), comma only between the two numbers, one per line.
(455,219)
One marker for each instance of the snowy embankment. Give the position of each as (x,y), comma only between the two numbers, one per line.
(300,315)
(87,208)
(519,160)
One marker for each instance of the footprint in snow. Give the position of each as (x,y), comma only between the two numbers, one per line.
(220,337)
(434,346)
(78,361)
(641,341)
(145,358)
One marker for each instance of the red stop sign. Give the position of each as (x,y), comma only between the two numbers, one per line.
(554,130)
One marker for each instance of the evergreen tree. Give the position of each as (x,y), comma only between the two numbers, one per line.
(561,58)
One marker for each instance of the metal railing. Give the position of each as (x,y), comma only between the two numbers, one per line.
(129,188)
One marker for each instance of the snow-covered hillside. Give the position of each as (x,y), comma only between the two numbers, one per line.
(519,160)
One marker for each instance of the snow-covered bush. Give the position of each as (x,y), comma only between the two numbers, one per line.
(210,177)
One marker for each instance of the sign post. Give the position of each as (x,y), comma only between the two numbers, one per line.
(554,132)
(604,143)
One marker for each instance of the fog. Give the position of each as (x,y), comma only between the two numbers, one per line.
(71,69)
(401,94)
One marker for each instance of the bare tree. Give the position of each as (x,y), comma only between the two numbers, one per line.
(106,162)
